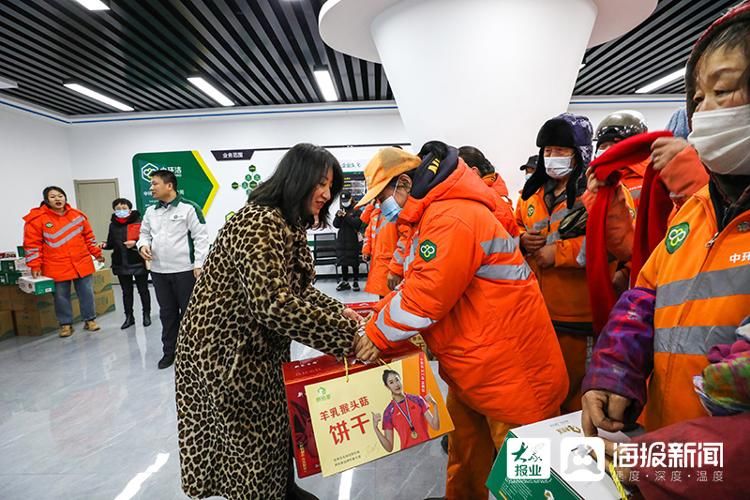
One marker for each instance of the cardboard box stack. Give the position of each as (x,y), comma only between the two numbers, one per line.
(7,329)
(104,296)
(27,306)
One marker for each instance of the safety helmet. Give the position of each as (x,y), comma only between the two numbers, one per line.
(620,125)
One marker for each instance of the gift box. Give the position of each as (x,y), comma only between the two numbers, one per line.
(553,459)
(36,286)
(333,406)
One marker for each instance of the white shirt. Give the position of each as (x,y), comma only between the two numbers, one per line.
(177,236)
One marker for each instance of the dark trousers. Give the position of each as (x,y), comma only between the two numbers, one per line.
(345,272)
(126,283)
(173,294)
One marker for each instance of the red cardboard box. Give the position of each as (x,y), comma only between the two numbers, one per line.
(297,375)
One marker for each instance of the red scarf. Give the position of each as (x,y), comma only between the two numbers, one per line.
(653,213)
(122,220)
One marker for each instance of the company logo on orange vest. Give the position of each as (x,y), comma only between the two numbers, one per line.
(427,250)
(677,236)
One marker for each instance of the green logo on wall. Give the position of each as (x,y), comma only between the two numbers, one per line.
(252,168)
(676,236)
(427,250)
(235,185)
(195,180)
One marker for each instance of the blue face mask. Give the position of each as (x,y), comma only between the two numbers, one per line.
(390,209)
(122,214)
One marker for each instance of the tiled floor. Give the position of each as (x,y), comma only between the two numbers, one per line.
(91,417)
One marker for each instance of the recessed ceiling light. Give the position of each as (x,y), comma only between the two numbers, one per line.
(210,91)
(99,97)
(656,84)
(93,4)
(6,83)
(325,84)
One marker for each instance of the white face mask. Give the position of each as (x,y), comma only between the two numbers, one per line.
(528,176)
(558,167)
(722,139)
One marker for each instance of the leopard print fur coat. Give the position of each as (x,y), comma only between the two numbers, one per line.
(254,297)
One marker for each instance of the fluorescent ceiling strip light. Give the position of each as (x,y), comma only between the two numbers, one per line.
(93,4)
(680,73)
(6,83)
(325,84)
(97,96)
(210,91)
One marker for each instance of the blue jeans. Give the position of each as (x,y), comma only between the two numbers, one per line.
(63,306)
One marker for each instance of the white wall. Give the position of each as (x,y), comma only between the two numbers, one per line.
(107,149)
(35,155)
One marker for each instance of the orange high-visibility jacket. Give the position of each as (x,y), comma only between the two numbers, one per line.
(702,282)
(60,246)
(504,207)
(684,176)
(383,238)
(475,301)
(564,285)
(366,217)
(503,213)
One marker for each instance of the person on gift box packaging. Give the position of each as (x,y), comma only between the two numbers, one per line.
(127,264)
(254,297)
(59,243)
(407,414)
(692,292)
(464,283)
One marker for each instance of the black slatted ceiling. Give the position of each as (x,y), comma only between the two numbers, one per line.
(260,52)
(657,47)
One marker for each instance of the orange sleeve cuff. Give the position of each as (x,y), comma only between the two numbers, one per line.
(685,174)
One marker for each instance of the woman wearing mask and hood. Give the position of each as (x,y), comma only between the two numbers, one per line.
(693,291)
(556,253)
(127,263)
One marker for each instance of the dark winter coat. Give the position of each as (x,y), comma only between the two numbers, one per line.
(347,240)
(124,260)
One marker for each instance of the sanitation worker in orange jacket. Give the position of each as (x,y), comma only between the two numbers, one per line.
(693,291)
(464,286)
(59,243)
(482,167)
(383,229)
(551,196)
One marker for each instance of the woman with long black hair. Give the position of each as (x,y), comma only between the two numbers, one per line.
(254,297)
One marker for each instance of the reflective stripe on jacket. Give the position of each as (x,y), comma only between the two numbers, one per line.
(702,282)
(475,301)
(60,246)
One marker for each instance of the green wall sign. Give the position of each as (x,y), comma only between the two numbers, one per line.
(195,181)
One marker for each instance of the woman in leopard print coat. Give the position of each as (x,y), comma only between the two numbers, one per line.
(254,297)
